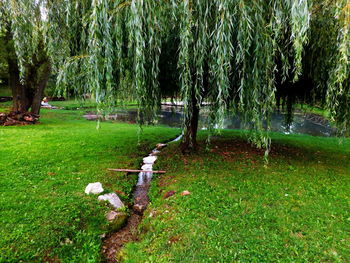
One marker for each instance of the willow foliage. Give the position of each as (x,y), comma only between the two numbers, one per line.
(24,20)
(338,92)
(230,52)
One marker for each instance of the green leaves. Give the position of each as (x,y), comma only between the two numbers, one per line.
(338,92)
(231,53)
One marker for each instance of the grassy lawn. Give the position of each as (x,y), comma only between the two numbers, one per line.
(44,169)
(313,109)
(4,91)
(87,104)
(295,209)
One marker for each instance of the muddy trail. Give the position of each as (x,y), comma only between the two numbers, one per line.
(115,241)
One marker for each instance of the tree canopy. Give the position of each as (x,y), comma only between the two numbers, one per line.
(232,54)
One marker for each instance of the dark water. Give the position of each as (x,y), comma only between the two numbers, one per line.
(304,123)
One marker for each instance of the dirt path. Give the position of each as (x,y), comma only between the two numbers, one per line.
(114,242)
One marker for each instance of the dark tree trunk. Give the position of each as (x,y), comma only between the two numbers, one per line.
(42,77)
(21,100)
(28,93)
(189,140)
(27,96)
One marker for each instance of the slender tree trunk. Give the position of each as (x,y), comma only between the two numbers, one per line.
(189,140)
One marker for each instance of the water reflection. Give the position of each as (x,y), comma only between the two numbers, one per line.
(304,123)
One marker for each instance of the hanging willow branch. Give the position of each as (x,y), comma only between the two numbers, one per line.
(230,54)
(338,94)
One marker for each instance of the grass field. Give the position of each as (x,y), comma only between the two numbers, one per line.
(295,209)
(44,169)
(4,91)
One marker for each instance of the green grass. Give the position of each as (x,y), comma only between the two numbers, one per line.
(4,91)
(44,169)
(295,209)
(74,104)
(85,104)
(313,109)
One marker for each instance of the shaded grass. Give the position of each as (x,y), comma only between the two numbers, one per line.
(295,209)
(313,109)
(5,91)
(44,169)
(87,104)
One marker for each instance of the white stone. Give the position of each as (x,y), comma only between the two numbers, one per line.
(113,199)
(149,159)
(94,188)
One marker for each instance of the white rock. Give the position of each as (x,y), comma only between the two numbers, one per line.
(147,167)
(94,188)
(113,199)
(149,159)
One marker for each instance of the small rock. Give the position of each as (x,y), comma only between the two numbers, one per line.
(138,208)
(161,145)
(149,159)
(113,199)
(94,188)
(185,193)
(152,214)
(66,242)
(168,194)
(111,215)
(116,219)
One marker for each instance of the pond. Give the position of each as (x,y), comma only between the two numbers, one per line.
(303,123)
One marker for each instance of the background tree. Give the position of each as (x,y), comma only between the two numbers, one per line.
(327,59)
(21,31)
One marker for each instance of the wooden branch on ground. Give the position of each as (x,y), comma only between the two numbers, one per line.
(136,171)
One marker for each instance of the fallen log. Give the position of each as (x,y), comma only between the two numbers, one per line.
(135,171)
(18,118)
(5,98)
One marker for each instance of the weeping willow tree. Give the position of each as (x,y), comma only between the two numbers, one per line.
(327,59)
(229,54)
(22,33)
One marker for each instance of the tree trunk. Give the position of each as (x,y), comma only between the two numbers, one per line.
(27,96)
(40,85)
(28,93)
(21,100)
(189,140)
